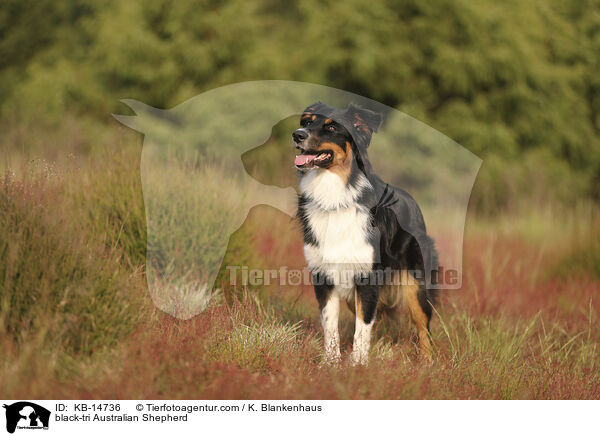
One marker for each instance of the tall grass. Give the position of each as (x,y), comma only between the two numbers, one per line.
(74,300)
(57,275)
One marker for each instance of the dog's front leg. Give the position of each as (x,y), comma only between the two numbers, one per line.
(329,303)
(365,298)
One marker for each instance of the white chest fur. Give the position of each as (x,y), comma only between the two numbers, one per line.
(340,226)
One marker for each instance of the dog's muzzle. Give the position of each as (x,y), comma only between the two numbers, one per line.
(299,136)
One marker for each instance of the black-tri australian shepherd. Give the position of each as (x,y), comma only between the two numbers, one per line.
(365,241)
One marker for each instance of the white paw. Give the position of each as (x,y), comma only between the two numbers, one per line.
(358,358)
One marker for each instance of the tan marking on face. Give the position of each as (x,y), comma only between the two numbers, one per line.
(328,121)
(342,160)
(314,117)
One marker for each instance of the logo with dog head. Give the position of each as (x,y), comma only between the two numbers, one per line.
(26,415)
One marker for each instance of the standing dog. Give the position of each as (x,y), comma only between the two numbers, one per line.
(365,241)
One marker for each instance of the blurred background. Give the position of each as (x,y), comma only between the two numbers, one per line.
(516,83)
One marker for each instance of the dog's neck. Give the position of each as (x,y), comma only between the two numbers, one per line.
(328,191)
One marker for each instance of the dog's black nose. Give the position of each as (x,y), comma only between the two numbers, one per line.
(299,135)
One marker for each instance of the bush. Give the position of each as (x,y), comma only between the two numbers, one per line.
(502,80)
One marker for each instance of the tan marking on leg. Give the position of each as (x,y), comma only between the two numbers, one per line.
(419,317)
(358,304)
(390,295)
(351,305)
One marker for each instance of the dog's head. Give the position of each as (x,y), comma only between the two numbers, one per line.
(331,138)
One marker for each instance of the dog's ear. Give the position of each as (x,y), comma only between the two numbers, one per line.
(364,119)
(362,123)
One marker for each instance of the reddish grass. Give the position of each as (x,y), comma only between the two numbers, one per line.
(505,289)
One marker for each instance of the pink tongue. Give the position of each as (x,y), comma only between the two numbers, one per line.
(303,159)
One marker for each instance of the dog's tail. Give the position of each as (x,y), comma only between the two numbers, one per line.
(429,294)
(432,287)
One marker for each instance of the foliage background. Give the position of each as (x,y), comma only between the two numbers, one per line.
(517,83)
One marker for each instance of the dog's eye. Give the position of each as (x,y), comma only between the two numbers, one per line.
(305,122)
(330,128)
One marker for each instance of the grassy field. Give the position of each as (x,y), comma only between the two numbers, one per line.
(76,319)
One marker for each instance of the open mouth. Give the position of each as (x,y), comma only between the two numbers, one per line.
(309,159)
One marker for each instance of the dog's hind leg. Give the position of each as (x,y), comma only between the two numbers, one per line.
(420,312)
